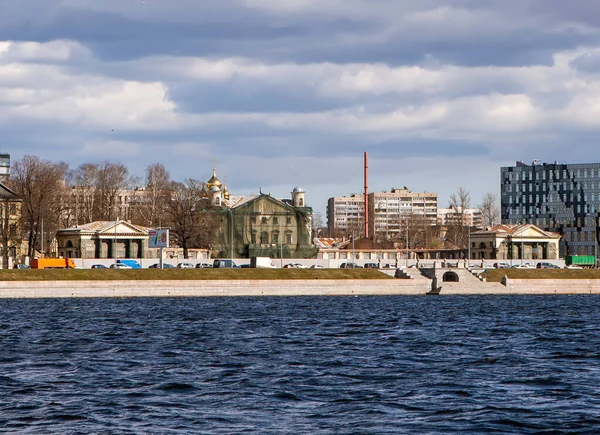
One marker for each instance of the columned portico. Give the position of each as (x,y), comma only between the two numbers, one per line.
(104,239)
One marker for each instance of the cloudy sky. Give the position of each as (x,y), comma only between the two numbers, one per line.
(284,93)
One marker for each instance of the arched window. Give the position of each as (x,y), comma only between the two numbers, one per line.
(69,244)
(301,202)
(275,237)
(264,238)
(217,201)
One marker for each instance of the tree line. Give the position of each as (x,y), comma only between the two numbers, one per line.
(56,197)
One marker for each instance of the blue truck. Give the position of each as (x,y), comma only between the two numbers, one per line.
(131,263)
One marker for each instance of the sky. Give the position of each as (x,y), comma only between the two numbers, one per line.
(282,93)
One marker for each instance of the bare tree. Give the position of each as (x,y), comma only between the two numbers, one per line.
(489,210)
(457,230)
(182,210)
(318,224)
(460,202)
(151,201)
(84,190)
(112,178)
(40,184)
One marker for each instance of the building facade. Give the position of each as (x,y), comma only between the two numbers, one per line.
(103,239)
(512,242)
(12,245)
(472,217)
(387,212)
(557,197)
(260,225)
(346,214)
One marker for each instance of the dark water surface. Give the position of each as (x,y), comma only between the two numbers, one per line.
(382,365)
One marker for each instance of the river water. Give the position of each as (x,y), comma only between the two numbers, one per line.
(301,365)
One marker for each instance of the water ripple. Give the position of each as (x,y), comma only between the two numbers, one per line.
(382,365)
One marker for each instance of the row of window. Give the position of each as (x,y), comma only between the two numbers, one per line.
(273,239)
(265,219)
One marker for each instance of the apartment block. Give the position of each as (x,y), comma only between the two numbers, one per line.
(387,211)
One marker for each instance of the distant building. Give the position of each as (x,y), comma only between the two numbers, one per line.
(561,198)
(345,214)
(103,239)
(387,211)
(11,244)
(261,225)
(471,217)
(510,242)
(4,167)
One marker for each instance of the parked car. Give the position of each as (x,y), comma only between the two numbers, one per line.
(185,266)
(545,265)
(350,266)
(164,266)
(501,266)
(371,266)
(21,266)
(203,265)
(99,266)
(120,266)
(245,266)
(573,266)
(524,266)
(294,266)
(224,264)
(317,266)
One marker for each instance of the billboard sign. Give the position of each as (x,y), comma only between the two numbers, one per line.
(158,238)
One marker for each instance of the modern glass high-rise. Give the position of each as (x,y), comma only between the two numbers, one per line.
(4,167)
(558,197)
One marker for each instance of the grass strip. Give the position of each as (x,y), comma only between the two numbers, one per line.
(495,275)
(186,274)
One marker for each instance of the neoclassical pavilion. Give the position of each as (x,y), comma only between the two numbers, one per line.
(504,242)
(103,239)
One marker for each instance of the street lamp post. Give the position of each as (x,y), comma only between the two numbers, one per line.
(468,245)
(230,233)
(115,240)
(407,252)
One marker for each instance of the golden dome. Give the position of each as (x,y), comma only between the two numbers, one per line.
(225,193)
(214,181)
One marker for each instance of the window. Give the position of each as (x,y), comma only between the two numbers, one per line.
(253,219)
(264,237)
(253,237)
(288,220)
(275,221)
(288,238)
(264,220)
(275,237)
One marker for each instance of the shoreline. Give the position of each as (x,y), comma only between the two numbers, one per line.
(315,287)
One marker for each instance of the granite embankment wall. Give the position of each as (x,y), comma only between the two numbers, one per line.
(525,287)
(317,287)
(322,287)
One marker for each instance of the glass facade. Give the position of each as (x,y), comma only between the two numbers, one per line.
(563,198)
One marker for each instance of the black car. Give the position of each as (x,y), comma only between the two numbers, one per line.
(350,266)
(164,266)
(99,266)
(203,266)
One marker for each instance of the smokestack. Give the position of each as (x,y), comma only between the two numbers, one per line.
(366,195)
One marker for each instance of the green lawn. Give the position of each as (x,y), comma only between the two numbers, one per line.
(495,275)
(186,274)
